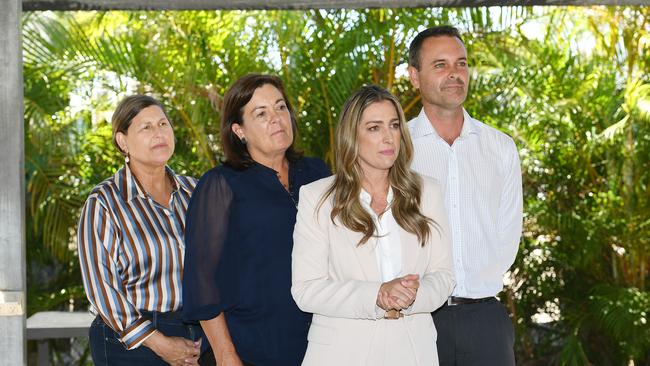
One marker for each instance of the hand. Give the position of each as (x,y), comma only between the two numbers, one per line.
(176,351)
(399,293)
(411,281)
(229,359)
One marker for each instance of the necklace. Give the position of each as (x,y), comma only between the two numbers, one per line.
(285,185)
(286,189)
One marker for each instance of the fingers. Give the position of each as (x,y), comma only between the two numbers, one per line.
(383,301)
(411,277)
(402,293)
(193,361)
(411,281)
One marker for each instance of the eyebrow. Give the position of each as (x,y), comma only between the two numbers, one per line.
(263,106)
(381,121)
(444,59)
(154,121)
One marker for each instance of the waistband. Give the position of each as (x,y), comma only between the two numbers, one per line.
(454,300)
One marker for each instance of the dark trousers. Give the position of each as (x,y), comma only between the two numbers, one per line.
(107,350)
(475,334)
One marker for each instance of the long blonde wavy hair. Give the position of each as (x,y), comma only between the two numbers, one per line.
(345,190)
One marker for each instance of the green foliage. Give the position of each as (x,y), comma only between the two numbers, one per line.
(570,85)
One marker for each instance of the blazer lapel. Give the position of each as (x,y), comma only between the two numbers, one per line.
(411,250)
(365,254)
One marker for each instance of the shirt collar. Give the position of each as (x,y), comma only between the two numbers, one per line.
(366,198)
(422,126)
(130,187)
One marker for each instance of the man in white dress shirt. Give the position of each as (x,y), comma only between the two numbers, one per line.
(478,168)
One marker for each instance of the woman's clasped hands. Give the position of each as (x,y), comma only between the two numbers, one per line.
(398,294)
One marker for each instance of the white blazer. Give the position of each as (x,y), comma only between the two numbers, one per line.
(338,281)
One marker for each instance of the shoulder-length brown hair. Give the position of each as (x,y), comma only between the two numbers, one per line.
(239,94)
(345,190)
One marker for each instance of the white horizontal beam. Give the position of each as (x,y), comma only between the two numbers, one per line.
(29,5)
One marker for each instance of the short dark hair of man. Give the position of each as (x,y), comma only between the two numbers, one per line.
(416,44)
(236,97)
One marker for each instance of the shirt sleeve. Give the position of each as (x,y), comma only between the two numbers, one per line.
(209,276)
(99,240)
(510,209)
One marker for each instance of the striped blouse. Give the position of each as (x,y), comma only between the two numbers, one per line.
(131,252)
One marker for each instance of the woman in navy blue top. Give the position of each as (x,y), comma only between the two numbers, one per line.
(239,232)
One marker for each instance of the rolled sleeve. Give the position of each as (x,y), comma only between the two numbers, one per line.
(98,242)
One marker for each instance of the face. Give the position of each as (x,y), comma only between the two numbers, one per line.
(378,137)
(267,123)
(149,139)
(443,76)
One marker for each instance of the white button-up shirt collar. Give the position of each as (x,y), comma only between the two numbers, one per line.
(388,251)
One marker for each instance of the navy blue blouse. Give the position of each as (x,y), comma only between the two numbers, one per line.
(239,238)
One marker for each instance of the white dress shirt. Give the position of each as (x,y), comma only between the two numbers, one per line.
(389,247)
(481,177)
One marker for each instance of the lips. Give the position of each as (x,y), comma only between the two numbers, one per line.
(388,152)
(158,146)
(277,132)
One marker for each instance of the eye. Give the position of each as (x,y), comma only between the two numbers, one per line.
(164,123)
(439,65)
(146,127)
(462,63)
(260,114)
(395,125)
(282,107)
(373,128)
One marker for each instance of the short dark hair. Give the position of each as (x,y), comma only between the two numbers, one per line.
(237,96)
(127,109)
(416,44)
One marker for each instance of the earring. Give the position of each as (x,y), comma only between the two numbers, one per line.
(127,158)
(243,140)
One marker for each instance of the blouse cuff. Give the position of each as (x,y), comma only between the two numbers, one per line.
(135,334)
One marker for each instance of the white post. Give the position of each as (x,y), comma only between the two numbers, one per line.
(12,192)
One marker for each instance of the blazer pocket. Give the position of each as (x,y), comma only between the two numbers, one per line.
(321,334)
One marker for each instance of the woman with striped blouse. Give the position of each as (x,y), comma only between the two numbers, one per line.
(131,247)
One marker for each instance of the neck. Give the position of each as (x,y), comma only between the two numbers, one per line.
(152,178)
(376,182)
(448,123)
(277,162)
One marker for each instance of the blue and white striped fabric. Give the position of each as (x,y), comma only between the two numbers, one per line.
(131,252)
(480,174)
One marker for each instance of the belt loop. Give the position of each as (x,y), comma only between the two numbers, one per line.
(449,303)
(155,319)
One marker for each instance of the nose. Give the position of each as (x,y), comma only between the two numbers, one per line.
(388,136)
(158,130)
(274,116)
(453,72)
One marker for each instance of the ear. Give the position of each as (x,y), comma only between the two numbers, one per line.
(236,128)
(120,137)
(414,76)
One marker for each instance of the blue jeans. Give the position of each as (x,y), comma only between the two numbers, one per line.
(107,350)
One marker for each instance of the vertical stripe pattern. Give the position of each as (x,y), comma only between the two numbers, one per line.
(131,252)
(481,177)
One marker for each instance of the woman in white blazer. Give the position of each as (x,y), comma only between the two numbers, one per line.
(372,254)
